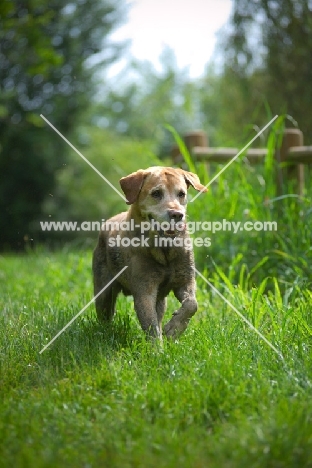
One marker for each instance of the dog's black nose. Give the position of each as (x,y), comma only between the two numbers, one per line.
(175,215)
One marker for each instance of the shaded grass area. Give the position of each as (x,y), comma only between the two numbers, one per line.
(104,396)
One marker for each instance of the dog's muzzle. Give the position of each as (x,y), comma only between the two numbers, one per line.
(176,226)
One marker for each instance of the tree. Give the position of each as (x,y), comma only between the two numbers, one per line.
(149,99)
(49,54)
(269,46)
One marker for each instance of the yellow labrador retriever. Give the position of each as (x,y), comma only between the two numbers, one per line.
(151,240)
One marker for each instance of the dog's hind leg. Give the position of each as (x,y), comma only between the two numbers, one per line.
(105,302)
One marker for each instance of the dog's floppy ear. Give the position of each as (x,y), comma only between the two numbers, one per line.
(132,184)
(193,180)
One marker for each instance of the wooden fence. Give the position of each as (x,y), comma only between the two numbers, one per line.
(291,152)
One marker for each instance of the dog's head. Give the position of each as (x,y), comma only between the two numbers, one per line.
(159,194)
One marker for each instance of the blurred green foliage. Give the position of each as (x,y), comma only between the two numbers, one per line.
(147,100)
(49,54)
(80,193)
(247,193)
(53,58)
(267,64)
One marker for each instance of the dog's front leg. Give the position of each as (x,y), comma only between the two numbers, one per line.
(181,317)
(145,307)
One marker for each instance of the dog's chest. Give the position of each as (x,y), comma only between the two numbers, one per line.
(175,273)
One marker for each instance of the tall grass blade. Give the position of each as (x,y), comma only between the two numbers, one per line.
(182,147)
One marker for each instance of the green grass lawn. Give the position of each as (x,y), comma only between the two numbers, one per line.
(104,396)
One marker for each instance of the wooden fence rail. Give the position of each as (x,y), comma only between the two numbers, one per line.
(291,152)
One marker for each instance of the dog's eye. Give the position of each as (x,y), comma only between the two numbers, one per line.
(181,194)
(156,194)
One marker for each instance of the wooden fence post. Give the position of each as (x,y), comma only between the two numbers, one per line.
(191,139)
(294,172)
(197,138)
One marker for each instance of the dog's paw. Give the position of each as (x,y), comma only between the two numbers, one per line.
(175,327)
